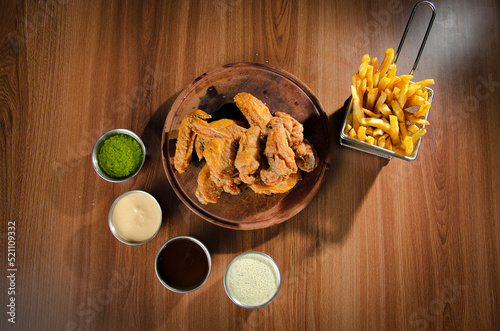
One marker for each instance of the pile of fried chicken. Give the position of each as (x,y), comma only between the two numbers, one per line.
(233,153)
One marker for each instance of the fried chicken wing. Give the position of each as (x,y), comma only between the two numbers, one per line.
(280,156)
(208,191)
(294,130)
(306,156)
(284,184)
(234,156)
(255,111)
(269,177)
(192,124)
(201,140)
(220,155)
(248,158)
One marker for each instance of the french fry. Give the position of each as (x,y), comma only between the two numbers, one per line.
(403,130)
(381,141)
(383,82)
(362,133)
(376,78)
(390,96)
(423,109)
(357,113)
(403,94)
(369,76)
(399,150)
(355,79)
(412,128)
(398,111)
(394,129)
(412,89)
(418,135)
(391,72)
(408,145)
(388,144)
(370,113)
(377,123)
(425,82)
(385,110)
(395,93)
(370,97)
(425,96)
(360,84)
(414,119)
(362,88)
(424,93)
(365,61)
(374,63)
(394,82)
(415,100)
(388,58)
(362,70)
(381,101)
(406,78)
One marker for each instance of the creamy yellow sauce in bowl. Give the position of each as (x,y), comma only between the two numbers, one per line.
(135,217)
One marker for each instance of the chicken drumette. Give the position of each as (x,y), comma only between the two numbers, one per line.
(191,125)
(248,158)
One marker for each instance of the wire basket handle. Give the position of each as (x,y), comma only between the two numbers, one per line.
(433,8)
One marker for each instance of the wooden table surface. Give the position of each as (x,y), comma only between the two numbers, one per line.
(384,245)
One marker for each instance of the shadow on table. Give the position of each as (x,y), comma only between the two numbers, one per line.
(157,183)
(154,129)
(350,177)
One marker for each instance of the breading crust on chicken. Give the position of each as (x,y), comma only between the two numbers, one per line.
(234,157)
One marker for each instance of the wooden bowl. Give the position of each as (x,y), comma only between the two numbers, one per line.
(213,92)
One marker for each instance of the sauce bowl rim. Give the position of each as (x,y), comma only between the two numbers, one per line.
(274,265)
(112,226)
(100,141)
(207,254)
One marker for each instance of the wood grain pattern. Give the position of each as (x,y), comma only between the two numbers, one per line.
(383,245)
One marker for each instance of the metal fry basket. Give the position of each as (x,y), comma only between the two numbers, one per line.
(362,146)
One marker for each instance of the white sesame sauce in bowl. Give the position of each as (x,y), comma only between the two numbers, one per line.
(252,280)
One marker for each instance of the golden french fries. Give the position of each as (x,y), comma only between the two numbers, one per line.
(382,103)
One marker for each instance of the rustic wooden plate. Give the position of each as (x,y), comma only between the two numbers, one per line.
(213,92)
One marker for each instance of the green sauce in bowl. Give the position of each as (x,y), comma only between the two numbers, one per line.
(119,156)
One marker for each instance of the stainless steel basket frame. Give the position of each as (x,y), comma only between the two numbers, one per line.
(362,146)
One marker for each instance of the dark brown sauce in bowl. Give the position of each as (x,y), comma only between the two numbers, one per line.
(183,264)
